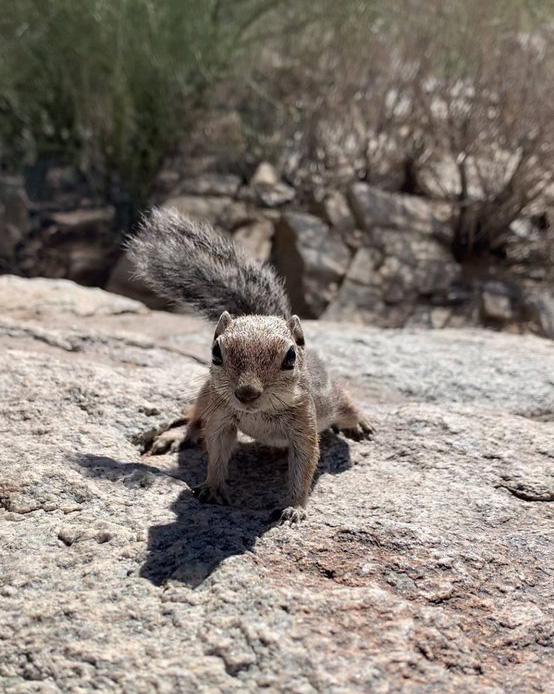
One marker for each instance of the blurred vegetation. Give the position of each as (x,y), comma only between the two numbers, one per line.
(114,86)
(111,85)
(444,98)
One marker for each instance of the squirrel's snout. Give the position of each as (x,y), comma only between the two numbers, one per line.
(247,394)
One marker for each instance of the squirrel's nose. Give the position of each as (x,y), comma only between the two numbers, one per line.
(247,393)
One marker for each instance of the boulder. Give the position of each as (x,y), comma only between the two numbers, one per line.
(360,297)
(440,179)
(425,564)
(265,175)
(496,303)
(256,237)
(275,196)
(407,258)
(374,208)
(338,214)
(398,269)
(312,259)
(419,264)
(222,185)
(200,207)
(269,190)
(226,214)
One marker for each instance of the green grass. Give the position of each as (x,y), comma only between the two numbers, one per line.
(111,84)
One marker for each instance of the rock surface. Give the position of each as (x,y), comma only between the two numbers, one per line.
(497,305)
(405,260)
(270,191)
(348,250)
(375,209)
(311,259)
(425,564)
(200,207)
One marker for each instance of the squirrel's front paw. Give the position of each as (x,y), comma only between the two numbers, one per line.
(290,515)
(210,495)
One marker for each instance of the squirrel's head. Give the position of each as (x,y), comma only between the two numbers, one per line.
(257,361)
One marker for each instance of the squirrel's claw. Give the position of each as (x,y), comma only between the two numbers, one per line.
(363,431)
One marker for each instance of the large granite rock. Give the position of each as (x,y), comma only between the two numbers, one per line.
(211,184)
(425,564)
(312,260)
(376,209)
(200,207)
(404,259)
(268,189)
(387,279)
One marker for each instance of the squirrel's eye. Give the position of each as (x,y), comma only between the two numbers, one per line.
(217,357)
(289,360)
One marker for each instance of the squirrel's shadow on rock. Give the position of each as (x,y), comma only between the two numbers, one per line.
(203,535)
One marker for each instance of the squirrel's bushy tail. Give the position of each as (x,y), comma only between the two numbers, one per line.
(190,263)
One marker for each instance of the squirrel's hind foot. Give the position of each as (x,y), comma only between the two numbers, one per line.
(177,438)
(362,431)
(289,515)
(211,495)
(349,419)
(169,441)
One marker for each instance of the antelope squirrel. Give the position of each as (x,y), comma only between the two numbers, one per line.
(263,381)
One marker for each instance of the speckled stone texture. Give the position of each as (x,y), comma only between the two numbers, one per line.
(425,564)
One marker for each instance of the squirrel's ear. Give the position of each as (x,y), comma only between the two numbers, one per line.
(223,323)
(296,330)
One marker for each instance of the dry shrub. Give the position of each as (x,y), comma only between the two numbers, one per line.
(436,97)
(439,97)
(485,130)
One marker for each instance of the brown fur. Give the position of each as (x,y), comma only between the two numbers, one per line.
(295,405)
(252,387)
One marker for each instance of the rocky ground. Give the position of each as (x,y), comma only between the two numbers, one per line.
(425,564)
